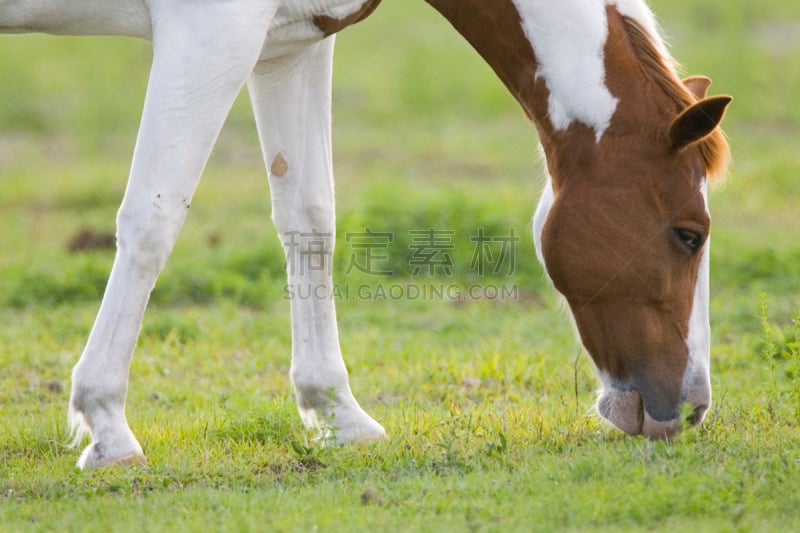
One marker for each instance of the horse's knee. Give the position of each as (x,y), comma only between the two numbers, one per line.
(307,232)
(145,238)
(302,197)
(304,216)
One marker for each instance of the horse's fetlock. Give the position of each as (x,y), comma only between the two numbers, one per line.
(315,395)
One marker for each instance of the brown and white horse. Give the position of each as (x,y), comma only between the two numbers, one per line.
(622,227)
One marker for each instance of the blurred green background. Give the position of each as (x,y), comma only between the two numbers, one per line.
(424,135)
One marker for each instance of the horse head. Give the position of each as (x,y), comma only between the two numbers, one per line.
(623,232)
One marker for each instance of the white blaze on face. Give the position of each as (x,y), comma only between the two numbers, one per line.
(696,385)
(568,38)
(540,217)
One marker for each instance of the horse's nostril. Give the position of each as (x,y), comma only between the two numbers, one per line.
(698,414)
(692,415)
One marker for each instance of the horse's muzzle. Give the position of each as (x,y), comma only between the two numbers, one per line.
(625,410)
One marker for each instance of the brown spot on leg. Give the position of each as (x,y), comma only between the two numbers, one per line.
(279,166)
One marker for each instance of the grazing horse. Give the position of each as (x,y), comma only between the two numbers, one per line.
(622,227)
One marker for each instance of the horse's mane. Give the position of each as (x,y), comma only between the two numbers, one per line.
(662,71)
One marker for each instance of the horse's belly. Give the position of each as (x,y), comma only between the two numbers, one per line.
(70,17)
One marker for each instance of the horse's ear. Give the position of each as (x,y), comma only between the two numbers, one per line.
(697,121)
(697,85)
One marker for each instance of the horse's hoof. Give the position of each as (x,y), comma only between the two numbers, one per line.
(128,460)
(363,430)
(94,456)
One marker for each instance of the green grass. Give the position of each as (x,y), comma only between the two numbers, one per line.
(489,412)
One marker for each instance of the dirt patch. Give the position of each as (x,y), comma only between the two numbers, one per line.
(91,240)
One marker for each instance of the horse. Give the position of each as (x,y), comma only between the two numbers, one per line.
(621,229)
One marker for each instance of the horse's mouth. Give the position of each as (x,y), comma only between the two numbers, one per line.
(625,410)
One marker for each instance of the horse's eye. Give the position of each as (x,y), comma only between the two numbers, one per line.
(689,238)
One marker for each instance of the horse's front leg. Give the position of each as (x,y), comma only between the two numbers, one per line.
(292,102)
(203,54)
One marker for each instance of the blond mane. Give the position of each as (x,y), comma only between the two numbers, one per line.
(662,71)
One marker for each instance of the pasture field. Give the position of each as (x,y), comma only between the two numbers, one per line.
(488,401)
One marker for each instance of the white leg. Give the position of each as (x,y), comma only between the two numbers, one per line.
(291,98)
(203,54)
